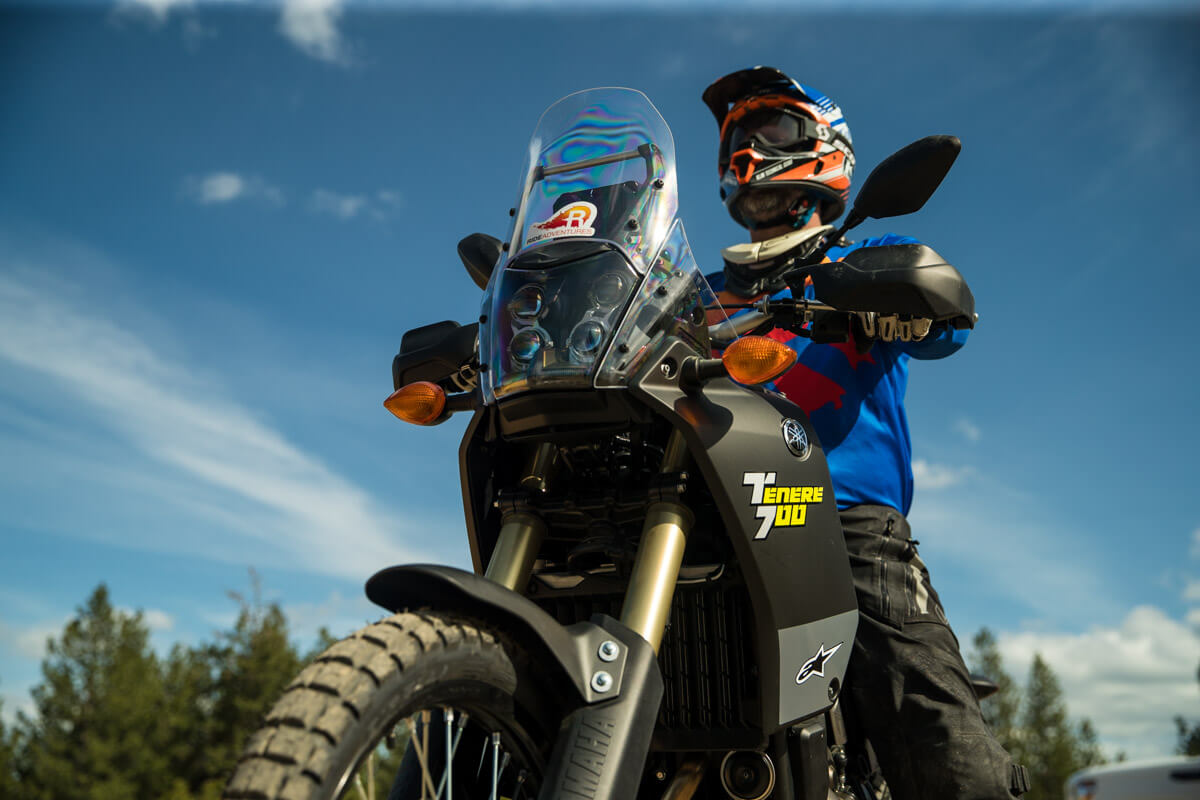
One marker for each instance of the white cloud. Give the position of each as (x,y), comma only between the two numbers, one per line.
(378,205)
(931,477)
(969,430)
(311,25)
(237,470)
(1195,551)
(158,620)
(153,10)
(343,206)
(218,188)
(1191,592)
(1130,678)
(30,641)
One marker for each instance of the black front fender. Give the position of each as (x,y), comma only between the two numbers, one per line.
(605,737)
(568,652)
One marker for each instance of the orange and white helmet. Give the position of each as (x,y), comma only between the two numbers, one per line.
(784,146)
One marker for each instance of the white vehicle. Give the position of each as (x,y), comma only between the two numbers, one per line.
(1154,779)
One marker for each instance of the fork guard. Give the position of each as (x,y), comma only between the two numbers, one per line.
(605,737)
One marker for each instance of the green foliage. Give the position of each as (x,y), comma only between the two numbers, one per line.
(1032,722)
(113,721)
(10,746)
(1001,709)
(99,710)
(1189,737)
(252,664)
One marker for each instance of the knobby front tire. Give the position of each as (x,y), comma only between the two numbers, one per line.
(408,677)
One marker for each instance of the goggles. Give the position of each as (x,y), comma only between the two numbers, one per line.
(778,129)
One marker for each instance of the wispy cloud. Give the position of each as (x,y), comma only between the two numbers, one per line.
(967,429)
(225,186)
(931,477)
(312,26)
(155,11)
(1191,592)
(29,641)
(377,205)
(1129,678)
(185,423)
(1195,551)
(1060,578)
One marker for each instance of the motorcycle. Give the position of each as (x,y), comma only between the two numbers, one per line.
(661,603)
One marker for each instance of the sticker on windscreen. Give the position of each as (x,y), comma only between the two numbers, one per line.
(575,219)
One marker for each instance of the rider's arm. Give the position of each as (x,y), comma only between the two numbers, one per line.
(941,342)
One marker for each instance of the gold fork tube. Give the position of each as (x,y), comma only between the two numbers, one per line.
(656,570)
(517,547)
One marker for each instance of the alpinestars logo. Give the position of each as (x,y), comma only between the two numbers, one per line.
(575,219)
(816,664)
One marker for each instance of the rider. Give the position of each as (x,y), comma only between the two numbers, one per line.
(785,160)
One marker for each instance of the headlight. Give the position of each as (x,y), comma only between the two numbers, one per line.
(585,341)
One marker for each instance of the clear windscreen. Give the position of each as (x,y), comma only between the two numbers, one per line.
(600,166)
(599,269)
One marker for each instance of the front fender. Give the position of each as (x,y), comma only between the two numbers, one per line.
(571,653)
(604,739)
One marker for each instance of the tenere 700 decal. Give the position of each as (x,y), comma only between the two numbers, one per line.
(575,219)
(779,506)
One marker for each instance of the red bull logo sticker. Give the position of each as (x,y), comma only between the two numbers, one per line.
(575,219)
(779,506)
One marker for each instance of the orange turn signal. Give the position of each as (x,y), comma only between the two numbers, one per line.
(757,359)
(420,403)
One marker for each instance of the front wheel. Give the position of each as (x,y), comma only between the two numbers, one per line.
(415,706)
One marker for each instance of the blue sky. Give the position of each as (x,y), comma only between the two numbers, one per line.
(217,221)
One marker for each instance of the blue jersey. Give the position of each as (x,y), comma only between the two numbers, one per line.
(856,402)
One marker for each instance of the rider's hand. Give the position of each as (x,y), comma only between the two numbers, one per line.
(890,328)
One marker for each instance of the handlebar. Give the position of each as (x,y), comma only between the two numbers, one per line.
(764,312)
(794,315)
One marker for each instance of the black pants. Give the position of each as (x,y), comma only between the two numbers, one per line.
(909,686)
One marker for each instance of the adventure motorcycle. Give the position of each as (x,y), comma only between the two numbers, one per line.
(661,604)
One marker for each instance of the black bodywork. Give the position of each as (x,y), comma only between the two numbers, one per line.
(756,602)
(748,612)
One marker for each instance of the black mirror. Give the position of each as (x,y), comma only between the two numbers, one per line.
(479,253)
(907,178)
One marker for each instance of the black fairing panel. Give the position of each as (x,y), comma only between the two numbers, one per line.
(798,575)
(910,279)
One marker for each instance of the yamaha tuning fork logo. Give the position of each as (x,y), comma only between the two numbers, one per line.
(795,438)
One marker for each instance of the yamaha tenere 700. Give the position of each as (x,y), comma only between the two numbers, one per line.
(661,604)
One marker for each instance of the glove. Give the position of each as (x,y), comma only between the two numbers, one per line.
(889,328)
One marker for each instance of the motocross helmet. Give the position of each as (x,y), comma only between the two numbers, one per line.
(784,146)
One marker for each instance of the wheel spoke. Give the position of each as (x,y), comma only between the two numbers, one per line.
(495,766)
(419,749)
(448,772)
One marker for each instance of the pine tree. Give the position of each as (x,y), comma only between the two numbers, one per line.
(251,666)
(97,731)
(1001,709)
(1052,749)
(1189,737)
(10,746)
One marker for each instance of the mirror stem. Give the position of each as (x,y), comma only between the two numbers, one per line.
(853,220)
